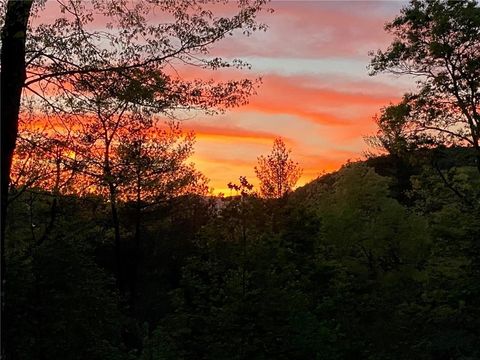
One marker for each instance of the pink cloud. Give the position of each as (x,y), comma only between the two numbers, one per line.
(310,29)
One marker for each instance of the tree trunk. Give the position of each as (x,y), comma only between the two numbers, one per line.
(53,207)
(138,250)
(116,228)
(107,174)
(12,80)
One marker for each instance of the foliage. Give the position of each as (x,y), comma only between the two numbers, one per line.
(437,42)
(343,273)
(76,311)
(134,51)
(277,172)
(154,165)
(379,260)
(394,135)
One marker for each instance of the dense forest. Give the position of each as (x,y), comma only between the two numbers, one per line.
(367,262)
(115,249)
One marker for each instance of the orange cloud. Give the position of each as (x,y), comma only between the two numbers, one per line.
(207,132)
(294,96)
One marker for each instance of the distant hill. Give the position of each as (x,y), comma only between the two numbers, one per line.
(400,170)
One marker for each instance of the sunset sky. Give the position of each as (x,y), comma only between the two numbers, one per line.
(316,91)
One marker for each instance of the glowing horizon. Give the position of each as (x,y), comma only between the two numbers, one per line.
(316,92)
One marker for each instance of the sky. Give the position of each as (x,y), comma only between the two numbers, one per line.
(316,92)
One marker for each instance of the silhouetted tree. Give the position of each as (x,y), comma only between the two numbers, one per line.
(437,41)
(394,131)
(153,170)
(277,172)
(46,58)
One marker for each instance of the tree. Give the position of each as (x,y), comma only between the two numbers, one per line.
(46,58)
(104,116)
(277,172)
(393,134)
(360,217)
(124,154)
(153,169)
(12,60)
(72,290)
(437,41)
(13,76)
